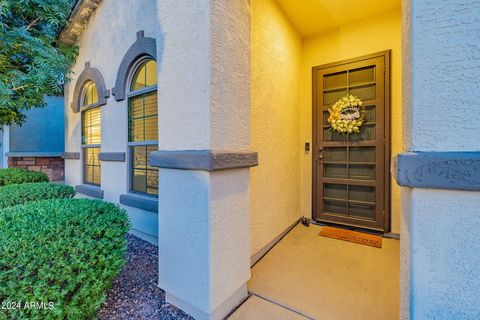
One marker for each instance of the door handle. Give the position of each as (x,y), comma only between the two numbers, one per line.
(320,154)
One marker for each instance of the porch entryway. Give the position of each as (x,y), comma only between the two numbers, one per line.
(350,171)
(308,276)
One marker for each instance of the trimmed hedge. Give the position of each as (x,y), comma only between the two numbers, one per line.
(63,251)
(16,176)
(15,194)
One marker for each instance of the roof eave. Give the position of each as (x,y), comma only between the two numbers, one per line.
(82,10)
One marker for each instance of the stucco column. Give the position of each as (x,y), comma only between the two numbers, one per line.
(204,157)
(441,172)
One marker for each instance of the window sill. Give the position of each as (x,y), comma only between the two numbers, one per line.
(140,202)
(71,155)
(91,191)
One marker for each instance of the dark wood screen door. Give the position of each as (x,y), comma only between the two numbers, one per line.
(350,172)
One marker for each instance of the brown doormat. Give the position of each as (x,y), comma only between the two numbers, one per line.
(352,236)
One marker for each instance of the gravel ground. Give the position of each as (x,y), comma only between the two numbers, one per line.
(134,294)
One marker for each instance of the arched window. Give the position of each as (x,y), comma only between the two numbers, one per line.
(143,127)
(91,128)
(90,94)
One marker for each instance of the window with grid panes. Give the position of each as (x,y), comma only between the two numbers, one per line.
(143,128)
(91,128)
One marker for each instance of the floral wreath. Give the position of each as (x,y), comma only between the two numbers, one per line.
(347,115)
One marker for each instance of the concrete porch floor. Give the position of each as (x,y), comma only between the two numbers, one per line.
(308,276)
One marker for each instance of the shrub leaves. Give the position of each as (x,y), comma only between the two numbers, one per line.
(14,194)
(15,176)
(65,251)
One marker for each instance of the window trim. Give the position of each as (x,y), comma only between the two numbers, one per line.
(83,94)
(84,146)
(96,145)
(130,173)
(131,144)
(91,106)
(140,201)
(142,59)
(142,143)
(94,75)
(141,48)
(90,190)
(139,92)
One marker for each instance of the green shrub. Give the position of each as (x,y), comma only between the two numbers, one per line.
(16,176)
(14,194)
(63,251)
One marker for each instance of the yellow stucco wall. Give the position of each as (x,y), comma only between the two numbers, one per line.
(376,34)
(277,84)
(281,109)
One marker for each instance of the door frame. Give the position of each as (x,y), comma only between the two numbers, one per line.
(387,125)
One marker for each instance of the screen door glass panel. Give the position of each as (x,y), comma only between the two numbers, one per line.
(349,169)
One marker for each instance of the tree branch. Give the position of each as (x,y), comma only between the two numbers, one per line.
(31,24)
(19,88)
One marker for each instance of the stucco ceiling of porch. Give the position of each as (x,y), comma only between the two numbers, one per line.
(312,17)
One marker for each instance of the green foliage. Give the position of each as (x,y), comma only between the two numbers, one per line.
(15,194)
(17,176)
(31,65)
(64,251)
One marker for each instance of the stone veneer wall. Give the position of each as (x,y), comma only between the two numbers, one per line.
(54,167)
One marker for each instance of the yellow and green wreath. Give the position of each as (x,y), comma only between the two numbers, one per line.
(347,115)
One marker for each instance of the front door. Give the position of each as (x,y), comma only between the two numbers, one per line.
(350,172)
